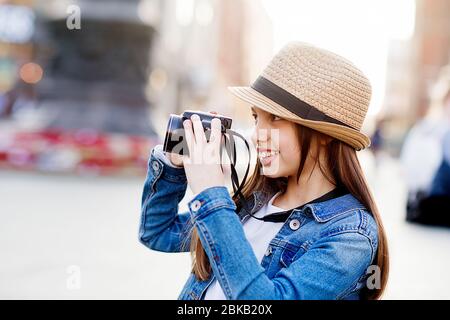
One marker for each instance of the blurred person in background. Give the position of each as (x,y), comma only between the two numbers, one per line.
(307,177)
(7,101)
(21,96)
(426,159)
(377,141)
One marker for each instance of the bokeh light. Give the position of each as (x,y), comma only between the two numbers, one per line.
(31,73)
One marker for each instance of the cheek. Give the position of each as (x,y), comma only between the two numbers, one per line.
(290,156)
(289,146)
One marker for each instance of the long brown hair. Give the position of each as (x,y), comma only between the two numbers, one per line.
(342,167)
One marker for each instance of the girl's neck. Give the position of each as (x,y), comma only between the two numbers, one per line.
(304,190)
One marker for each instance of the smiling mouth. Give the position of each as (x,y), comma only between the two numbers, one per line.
(266,157)
(266,154)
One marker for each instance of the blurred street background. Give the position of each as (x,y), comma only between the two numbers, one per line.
(86,89)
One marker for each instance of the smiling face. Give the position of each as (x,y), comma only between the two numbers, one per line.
(277,144)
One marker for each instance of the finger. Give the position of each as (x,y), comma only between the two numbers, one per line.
(189,135)
(199,132)
(216,134)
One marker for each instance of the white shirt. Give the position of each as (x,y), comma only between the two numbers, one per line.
(259,234)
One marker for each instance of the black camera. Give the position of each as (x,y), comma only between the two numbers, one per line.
(175,141)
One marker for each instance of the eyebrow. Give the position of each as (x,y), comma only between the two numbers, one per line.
(253,109)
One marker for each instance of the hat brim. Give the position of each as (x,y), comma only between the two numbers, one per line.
(350,136)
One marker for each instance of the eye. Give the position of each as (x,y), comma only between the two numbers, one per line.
(274,117)
(254,116)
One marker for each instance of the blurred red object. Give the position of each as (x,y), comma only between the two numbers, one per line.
(79,151)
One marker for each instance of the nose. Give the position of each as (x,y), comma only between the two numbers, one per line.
(262,134)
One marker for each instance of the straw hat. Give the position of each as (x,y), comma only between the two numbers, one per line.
(316,88)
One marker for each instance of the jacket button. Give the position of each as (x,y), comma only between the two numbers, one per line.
(294,224)
(268,251)
(196,205)
(155,165)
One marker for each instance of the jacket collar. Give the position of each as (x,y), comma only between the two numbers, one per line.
(326,210)
(320,211)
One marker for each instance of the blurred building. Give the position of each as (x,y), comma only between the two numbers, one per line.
(413,67)
(95,76)
(414,64)
(76,97)
(133,62)
(432,49)
(200,48)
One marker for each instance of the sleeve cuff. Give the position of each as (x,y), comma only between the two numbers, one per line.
(159,165)
(161,155)
(209,200)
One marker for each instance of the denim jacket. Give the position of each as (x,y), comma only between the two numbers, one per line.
(322,251)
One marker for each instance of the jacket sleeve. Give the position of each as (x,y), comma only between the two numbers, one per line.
(329,269)
(162,228)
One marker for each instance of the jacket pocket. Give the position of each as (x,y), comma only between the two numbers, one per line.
(292,252)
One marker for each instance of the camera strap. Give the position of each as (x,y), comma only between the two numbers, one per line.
(237,188)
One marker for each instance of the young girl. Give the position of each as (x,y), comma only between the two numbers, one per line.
(313,230)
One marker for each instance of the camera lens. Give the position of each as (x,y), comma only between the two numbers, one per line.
(174,141)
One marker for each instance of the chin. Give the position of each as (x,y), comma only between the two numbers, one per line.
(271,172)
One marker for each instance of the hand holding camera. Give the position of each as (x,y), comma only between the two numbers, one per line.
(175,140)
(200,151)
(194,140)
(175,152)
